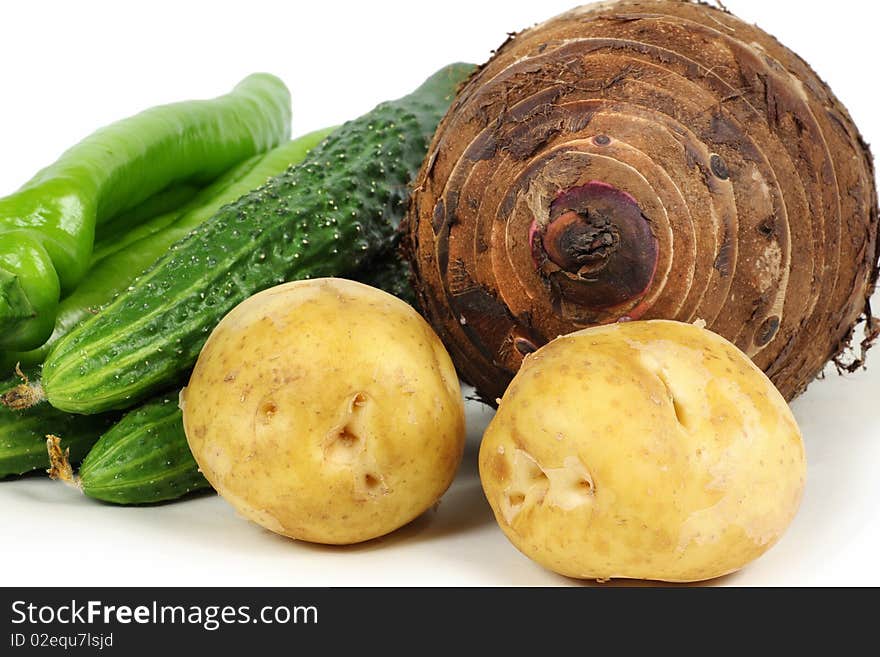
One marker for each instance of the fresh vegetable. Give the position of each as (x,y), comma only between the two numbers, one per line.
(647,159)
(325,410)
(331,214)
(161,207)
(47,228)
(142,459)
(231,186)
(23,437)
(157,222)
(144,245)
(649,450)
(389,272)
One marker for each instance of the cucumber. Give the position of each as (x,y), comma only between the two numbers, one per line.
(329,215)
(389,272)
(144,458)
(23,437)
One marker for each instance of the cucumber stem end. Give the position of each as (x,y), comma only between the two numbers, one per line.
(23,396)
(59,462)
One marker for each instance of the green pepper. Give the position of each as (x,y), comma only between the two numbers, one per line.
(164,204)
(47,228)
(157,222)
(139,248)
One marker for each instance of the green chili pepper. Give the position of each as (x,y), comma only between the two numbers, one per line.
(114,272)
(164,204)
(160,220)
(47,228)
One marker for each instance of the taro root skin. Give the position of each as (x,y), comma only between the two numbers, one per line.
(753,202)
(596,249)
(644,450)
(325,410)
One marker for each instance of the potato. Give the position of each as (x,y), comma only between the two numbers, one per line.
(648,450)
(325,410)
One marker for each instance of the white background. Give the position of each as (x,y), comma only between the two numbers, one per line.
(68,67)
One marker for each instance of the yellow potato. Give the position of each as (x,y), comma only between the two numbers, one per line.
(648,450)
(325,410)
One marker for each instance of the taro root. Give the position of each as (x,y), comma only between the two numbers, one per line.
(644,160)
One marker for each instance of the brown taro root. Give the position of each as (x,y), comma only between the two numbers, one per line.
(646,160)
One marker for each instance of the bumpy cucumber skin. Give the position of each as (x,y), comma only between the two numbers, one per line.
(143,459)
(23,435)
(329,215)
(389,272)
